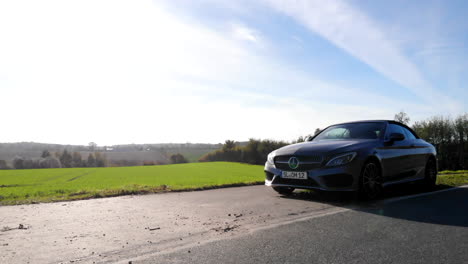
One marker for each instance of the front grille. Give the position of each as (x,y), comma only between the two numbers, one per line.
(308,182)
(305,162)
(305,159)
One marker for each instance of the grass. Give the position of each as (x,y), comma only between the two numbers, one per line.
(453,178)
(48,185)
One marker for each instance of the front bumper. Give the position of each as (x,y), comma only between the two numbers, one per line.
(340,178)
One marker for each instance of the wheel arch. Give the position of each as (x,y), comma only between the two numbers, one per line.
(374,159)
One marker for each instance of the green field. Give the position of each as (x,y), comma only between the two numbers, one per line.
(45,185)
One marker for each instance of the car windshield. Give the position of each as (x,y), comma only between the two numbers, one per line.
(370,130)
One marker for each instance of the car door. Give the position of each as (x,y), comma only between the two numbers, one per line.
(397,156)
(418,154)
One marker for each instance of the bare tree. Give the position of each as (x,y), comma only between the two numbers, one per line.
(402,117)
(92,146)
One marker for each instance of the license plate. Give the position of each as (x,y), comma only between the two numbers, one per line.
(301,175)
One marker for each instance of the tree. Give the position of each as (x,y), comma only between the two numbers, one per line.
(45,154)
(178,158)
(461,135)
(91,160)
(439,131)
(252,155)
(92,146)
(50,162)
(18,162)
(402,117)
(77,161)
(229,145)
(300,139)
(100,159)
(3,165)
(317,130)
(66,159)
(28,164)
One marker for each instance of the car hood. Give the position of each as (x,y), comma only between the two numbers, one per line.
(322,147)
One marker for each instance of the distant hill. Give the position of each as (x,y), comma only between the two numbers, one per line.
(136,153)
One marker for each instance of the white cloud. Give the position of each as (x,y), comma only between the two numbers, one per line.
(351,30)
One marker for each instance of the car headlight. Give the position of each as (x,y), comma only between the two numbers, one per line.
(342,159)
(270,158)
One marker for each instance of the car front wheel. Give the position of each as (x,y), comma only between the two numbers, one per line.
(370,182)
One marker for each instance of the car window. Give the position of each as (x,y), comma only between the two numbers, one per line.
(408,134)
(337,133)
(364,130)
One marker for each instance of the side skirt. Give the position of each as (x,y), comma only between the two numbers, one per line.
(401,181)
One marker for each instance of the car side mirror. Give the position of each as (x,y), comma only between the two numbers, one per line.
(397,137)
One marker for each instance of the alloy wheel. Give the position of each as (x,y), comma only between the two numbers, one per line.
(371,180)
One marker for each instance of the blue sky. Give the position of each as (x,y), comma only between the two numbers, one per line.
(205,71)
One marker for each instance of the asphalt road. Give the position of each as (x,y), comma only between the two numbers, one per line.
(425,229)
(239,225)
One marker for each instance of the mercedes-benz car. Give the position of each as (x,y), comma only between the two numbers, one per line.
(360,156)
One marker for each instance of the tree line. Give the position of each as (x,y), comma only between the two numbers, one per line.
(255,152)
(66,159)
(62,159)
(449,136)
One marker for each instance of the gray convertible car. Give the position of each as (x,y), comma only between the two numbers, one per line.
(361,156)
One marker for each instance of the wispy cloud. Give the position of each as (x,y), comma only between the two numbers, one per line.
(351,30)
(243,32)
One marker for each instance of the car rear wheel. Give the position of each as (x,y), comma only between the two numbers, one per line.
(430,174)
(370,181)
(283,190)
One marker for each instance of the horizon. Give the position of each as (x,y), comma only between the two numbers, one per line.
(207,71)
(98,145)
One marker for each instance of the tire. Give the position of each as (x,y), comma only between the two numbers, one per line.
(430,174)
(370,182)
(283,190)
